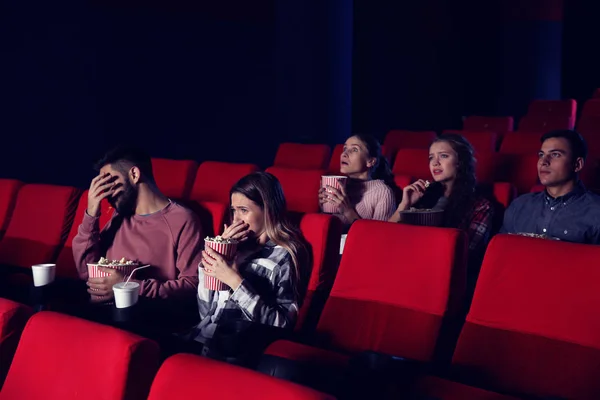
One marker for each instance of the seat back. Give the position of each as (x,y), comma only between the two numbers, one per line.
(482,141)
(39,225)
(174,178)
(302,156)
(558,108)
(494,124)
(13,317)
(413,163)
(397,139)
(543,124)
(323,233)
(534,326)
(65,263)
(334,163)
(8,197)
(518,169)
(591,108)
(521,143)
(389,280)
(185,376)
(214,180)
(300,187)
(63,357)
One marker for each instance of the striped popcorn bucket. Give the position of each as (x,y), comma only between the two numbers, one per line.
(228,251)
(335,181)
(94,271)
(423,218)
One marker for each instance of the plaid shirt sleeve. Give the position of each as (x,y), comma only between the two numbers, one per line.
(279,310)
(479,228)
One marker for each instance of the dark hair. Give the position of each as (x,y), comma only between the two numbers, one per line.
(576,141)
(462,197)
(122,158)
(265,191)
(381,169)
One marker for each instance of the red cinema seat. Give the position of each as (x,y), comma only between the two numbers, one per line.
(13,317)
(8,197)
(300,187)
(174,178)
(65,263)
(39,225)
(323,233)
(413,163)
(533,329)
(482,141)
(187,376)
(302,156)
(334,163)
(397,139)
(596,93)
(215,179)
(543,124)
(591,108)
(518,169)
(521,143)
(589,126)
(62,358)
(500,125)
(418,290)
(553,108)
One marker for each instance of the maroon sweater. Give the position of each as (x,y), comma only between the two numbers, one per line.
(169,240)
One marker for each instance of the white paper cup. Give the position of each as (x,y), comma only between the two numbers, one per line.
(43,274)
(126,296)
(336,181)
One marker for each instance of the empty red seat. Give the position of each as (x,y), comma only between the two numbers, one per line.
(63,357)
(214,180)
(518,169)
(533,328)
(39,225)
(300,187)
(413,163)
(401,181)
(187,376)
(482,141)
(65,263)
(13,317)
(334,163)
(174,178)
(441,389)
(504,193)
(543,124)
(302,156)
(323,233)
(485,166)
(8,198)
(591,108)
(397,139)
(553,108)
(589,125)
(521,143)
(494,124)
(377,295)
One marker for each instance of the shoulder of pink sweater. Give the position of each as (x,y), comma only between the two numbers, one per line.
(377,187)
(178,214)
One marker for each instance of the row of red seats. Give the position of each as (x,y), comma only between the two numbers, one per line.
(67,358)
(38,223)
(532,329)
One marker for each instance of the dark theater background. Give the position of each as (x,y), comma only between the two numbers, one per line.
(212,80)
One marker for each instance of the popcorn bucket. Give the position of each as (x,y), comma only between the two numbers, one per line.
(423,218)
(336,181)
(228,251)
(95,272)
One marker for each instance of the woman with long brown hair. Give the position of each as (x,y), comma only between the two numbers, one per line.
(269,275)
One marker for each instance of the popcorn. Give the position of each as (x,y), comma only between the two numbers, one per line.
(220,239)
(123,261)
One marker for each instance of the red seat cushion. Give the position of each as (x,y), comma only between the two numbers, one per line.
(63,357)
(8,197)
(187,376)
(13,317)
(40,224)
(442,389)
(302,156)
(300,187)
(533,327)
(174,178)
(215,179)
(305,353)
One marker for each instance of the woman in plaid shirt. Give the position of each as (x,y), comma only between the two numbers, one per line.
(269,275)
(452,166)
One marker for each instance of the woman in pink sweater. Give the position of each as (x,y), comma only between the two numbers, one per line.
(369,190)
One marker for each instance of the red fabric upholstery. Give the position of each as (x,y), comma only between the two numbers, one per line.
(494,124)
(174,178)
(188,376)
(307,354)
(40,224)
(558,108)
(63,357)
(533,327)
(302,156)
(413,163)
(401,181)
(521,143)
(13,317)
(399,139)
(212,215)
(485,167)
(334,162)
(323,233)
(482,141)
(544,124)
(504,193)
(215,179)
(414,290)
(65,264)
(8,197)
(518,169)
(301,188)
(442,389)
(591,108)
(589,125)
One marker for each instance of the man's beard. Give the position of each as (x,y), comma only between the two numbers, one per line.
(125,201)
